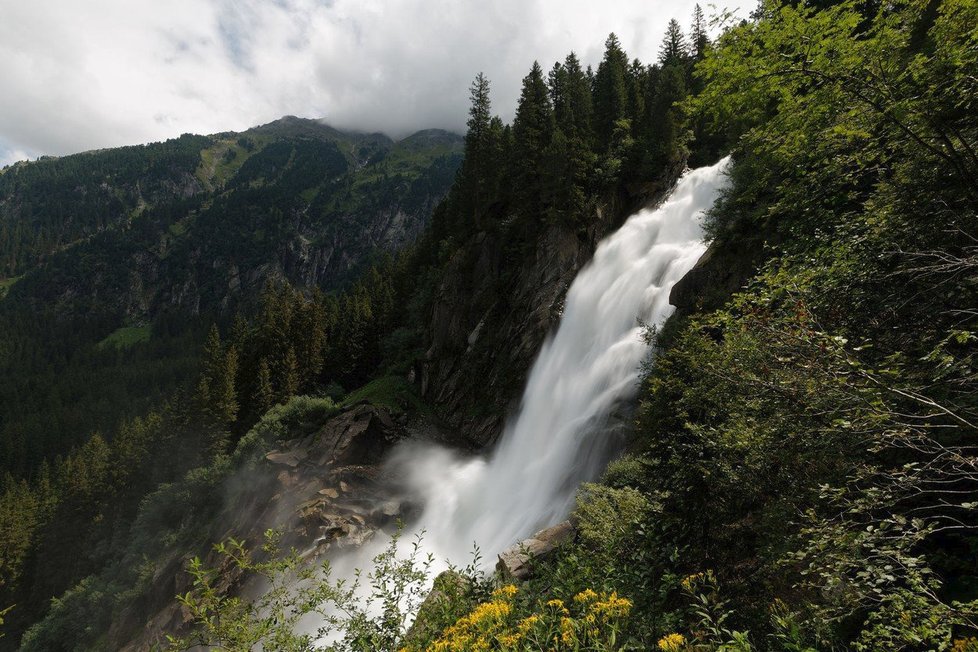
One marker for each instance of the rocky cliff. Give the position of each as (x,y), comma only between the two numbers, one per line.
(493,310)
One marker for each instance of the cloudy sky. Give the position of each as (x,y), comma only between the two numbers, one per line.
(101,73)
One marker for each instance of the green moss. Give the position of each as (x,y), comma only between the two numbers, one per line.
(392,392)
(6,284)
(125,337)
(177,229)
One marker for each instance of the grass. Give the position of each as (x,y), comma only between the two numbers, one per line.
(391,392)
(6,284)
(125,337)
(214,170)
(177,229)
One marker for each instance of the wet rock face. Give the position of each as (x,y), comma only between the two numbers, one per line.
(722,270)
(482,340)
(332,478)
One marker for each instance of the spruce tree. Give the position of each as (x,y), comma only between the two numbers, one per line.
(478,150)
(288,376)
(264,391)
(224,393)
(699,40)
(673,51)
(666,118)
(610,91)
(579,103)
(533,130)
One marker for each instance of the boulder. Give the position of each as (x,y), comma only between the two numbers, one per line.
(515,563)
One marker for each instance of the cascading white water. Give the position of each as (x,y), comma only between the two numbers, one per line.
(591,364)
(585,369)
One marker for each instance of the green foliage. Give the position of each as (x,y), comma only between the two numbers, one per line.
(125,337)
(391,392)
(370,612)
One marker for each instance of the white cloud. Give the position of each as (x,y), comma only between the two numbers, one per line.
(100,73)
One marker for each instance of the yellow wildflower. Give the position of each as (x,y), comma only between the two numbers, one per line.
(528,623)
(509,640)
(690,581)
(568,633)
(505,592)
(587,595)
(965,645)
(672,643)
(613,607)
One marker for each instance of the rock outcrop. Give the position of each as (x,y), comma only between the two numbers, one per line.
(516,563)
(323,492)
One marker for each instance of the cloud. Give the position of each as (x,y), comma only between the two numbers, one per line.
(103,73)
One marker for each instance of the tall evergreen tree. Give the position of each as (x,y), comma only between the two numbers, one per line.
(610,90)
(288,375)
(698,38)
(579,104)
(533,130)
(224,394)
(666,118)
(264,391)
(674,50)
(476,169)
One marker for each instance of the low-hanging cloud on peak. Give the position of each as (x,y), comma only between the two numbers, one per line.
(102,73)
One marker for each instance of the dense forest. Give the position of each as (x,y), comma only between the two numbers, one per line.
(107,312)
(800,472)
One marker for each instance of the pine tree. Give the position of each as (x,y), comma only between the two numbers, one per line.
(666,118)
(224,393)
(288,376)
(476,171)
(264,391)
(699,40)
(673,51)
(610,91)
(533,130)
(580,108)
(557,85)
(213,352)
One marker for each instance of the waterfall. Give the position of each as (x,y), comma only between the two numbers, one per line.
(584,370)
(587,367)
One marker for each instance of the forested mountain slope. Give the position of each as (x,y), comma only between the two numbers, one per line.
(119,260)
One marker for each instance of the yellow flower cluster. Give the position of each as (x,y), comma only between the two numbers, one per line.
(475,631)
(965,645)
(672,643)
(591,623)
(690,581)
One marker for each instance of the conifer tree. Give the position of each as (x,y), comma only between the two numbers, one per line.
(666,118)
(579,103)
(476,170)
(610,90)
(557,85)
(533,130)
(288,376)
(674,50)
(264,391)
(699,40)
(224,389)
